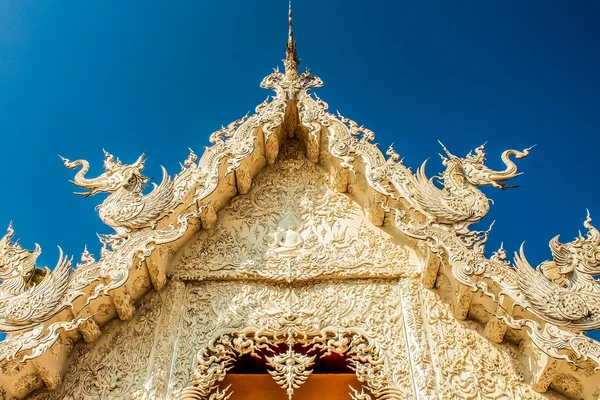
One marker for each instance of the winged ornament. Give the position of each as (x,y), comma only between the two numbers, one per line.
(29,295)
(563,290)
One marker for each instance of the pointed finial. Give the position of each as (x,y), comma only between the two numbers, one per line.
(445,150)
(291,58)
(6,240)
(290,27)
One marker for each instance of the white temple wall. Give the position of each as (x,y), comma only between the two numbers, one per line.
(294,260)
(426,352)
(118,363)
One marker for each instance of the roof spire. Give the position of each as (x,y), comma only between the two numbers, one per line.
(291,58)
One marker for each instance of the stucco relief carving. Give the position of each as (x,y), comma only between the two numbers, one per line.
(459,203)
(471,368)
(566,282)
(286,241)
(361,319)
(538,291)
(290,368)
(29,295)
(418,342)
(290,226)
(442,215)
(126,208)
(112,271)
(159,364)
(114,367)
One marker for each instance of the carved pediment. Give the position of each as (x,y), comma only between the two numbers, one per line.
(293,226)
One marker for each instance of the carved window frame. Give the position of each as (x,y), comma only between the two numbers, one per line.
(364,354)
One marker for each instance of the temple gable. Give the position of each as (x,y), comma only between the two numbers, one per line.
(295,246)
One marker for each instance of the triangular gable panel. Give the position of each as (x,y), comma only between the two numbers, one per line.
(293,226)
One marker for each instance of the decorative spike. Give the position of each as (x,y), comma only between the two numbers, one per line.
(6,241)
(87,258)
(10,231)
(445,150)
(527,150)
(291,61)
(588,218)
(290,28)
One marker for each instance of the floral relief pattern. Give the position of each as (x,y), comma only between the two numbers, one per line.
(292,226)
(294,254)
(469,367)
(113,367)
(318,272)
(323,312)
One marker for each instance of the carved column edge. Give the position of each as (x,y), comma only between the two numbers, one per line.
(159,366)
(418,342)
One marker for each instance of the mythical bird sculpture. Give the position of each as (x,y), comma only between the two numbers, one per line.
(460,202)
(28,296)
(126,208)
(563,291)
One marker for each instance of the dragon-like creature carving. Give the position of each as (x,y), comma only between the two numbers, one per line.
(564,291)
(126,208)
(28,296)
(460,202)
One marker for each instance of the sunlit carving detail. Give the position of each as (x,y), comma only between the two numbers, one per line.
(459,203)
(286,241)
(366,356)
(356,395)
(563,291)
(29,296)
(290,369)
(320,252)
(126,208)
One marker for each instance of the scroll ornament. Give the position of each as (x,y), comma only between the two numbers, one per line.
(459,202)
(29,295)
(561,292)
(59,288)
(453,207)
(134,216)
(126,208)
(290,368)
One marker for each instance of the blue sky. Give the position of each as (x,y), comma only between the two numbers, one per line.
(127,76)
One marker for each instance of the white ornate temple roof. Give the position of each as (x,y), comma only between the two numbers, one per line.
(548,308)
